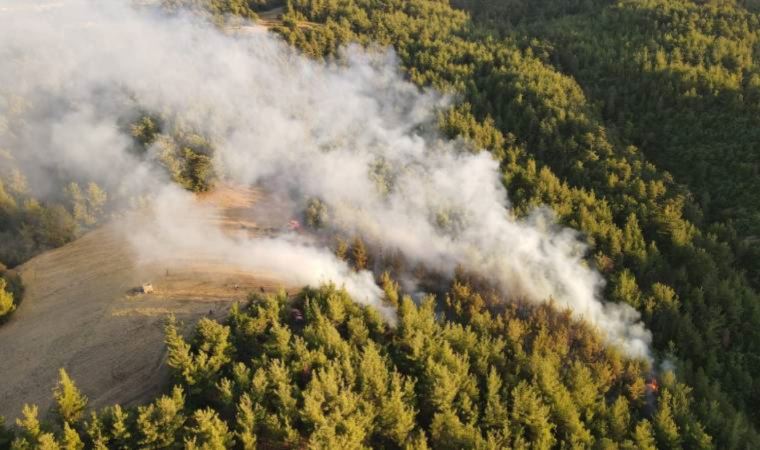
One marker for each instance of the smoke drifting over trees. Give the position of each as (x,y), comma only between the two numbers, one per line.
(353,134)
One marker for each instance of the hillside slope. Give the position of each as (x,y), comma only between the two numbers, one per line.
(81,311)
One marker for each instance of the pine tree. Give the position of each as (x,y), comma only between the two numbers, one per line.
(120,433)
(619,419)
(390,288)
(496,415)
(214,351)
(159,422)
(564,411)
(179,357)
(246,423)
(644,436)
(70,403)
(633,239)
(47,441)
(71,439)
(29,425)
(359,255)
(396,418)
(667,432)
(98,437)
(341,249)
(373,374)
(96,200)
(6,299)
(626,290)
(448,432)
(208,432)
(418,442)
(530,417)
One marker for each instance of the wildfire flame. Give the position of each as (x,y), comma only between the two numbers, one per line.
(294,225)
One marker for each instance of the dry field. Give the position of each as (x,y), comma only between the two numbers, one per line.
(80,311)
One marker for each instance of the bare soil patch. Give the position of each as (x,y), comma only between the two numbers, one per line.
(81,311)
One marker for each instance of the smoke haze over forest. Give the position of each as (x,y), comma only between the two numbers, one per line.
(352,134)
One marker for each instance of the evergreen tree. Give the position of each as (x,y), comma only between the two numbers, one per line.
(208,432)
(70,403)
(6,299)
(644,436)
(667,432)
(359,256)
(159,423)
(530,417)
(246,423)
(71,439)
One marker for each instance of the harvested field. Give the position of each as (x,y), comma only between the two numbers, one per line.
(82,310)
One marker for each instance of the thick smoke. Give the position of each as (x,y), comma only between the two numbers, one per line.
(354,135)
(180,230)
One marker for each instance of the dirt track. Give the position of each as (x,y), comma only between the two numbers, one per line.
(78,313)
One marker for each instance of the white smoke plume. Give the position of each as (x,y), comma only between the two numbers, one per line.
(354,135)
(180,231)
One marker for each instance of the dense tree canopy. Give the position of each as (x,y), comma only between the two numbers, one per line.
(335,375)
(650,234)
(699,119)
(635,121)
